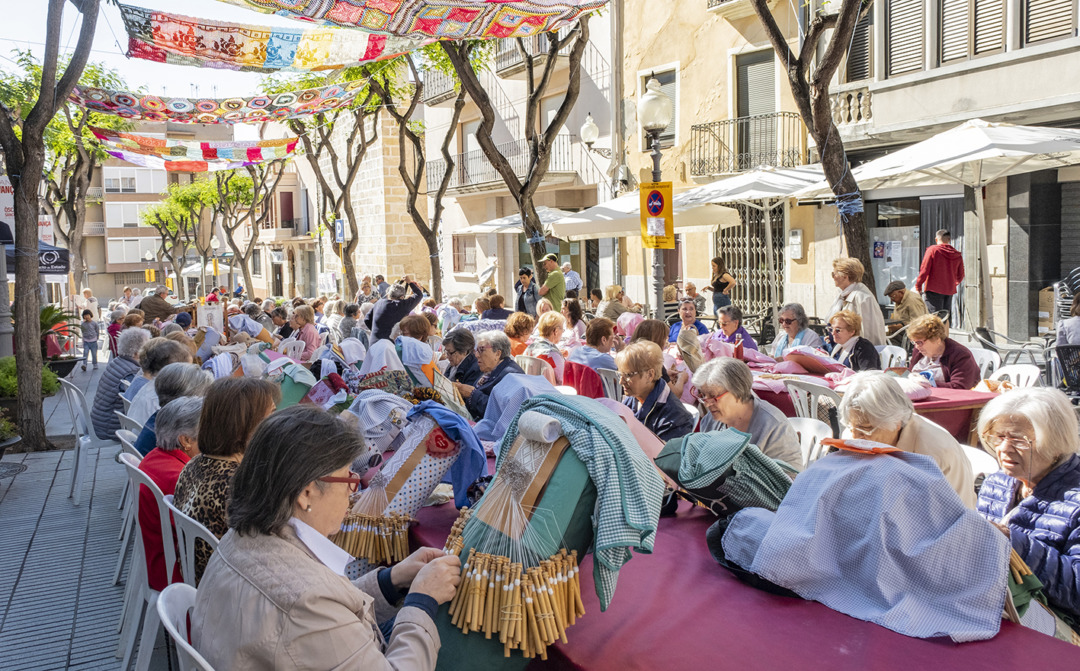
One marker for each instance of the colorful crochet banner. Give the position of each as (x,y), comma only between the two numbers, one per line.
(183,40)
(257,109)
(247,153)
(441,19)
(158,163)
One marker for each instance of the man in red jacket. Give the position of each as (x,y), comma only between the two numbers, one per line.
(941,271)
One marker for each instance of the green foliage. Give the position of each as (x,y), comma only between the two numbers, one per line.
(8,429)
(53,318)
(9,386)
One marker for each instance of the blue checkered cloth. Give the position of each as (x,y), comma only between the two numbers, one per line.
(882,538)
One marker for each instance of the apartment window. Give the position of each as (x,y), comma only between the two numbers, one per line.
(1048,19)
(905,30)
(256,262)
(970,28)
(128,279)
(464,253)
(669,86)
(755,106)
(124,215)
(131,250)
(120,180)
(860,61)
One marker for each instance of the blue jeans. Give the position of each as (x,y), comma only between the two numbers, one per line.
(719,300)
(89,348)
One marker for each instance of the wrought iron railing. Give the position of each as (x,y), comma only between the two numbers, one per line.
(473,168)
(745,143)
(508,57)
(94,192)
(438,87)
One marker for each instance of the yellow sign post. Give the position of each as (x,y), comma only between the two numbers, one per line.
(657,217)
(215,268)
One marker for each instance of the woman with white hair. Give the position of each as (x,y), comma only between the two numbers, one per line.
(725,386)
(124,366)
(174,381)
(496,362)
(794,331)
(1035,497)
(875,407)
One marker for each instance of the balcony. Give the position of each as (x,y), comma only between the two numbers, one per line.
(510,62)
(94,228)
(731,9)
(746,143)
(473,172)
(438,87)
(852,107)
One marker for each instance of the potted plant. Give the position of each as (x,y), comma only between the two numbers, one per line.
(56,327)
(9,386)
(9,433)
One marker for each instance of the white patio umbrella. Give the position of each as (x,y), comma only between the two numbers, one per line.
(972,154)
(194,269)
(621,218)
(763,189)
(512,223)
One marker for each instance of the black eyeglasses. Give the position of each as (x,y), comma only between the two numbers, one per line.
(785,322)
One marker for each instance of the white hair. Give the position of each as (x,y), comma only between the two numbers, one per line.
(454,302)
(179,417)
(726,374)
(566,266)
(396,292)
(878,397)
(498,341)
(1050,413)
(131,341)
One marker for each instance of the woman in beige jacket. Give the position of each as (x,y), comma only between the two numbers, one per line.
(275,595)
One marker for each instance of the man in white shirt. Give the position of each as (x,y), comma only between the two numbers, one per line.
(573,280)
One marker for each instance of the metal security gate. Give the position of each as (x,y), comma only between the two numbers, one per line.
(743,250)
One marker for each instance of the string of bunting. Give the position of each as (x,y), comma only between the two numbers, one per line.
(176,39)
(253,151)
(440,19)
(253,109)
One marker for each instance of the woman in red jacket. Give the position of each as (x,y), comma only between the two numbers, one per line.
(948,363)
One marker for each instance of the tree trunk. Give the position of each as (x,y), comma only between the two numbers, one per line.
(28,363)
(348,262)
(432,240)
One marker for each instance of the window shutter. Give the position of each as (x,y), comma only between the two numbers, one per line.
(669,87)
(756,93)
(860,56)
(955,22)
(989,26)
(906,31)
(1048,19)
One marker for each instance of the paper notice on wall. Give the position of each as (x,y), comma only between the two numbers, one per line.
(892,253)
(211,316)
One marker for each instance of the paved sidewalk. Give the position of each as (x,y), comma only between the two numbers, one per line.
(58,608)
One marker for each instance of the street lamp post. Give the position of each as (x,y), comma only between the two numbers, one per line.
(654,114)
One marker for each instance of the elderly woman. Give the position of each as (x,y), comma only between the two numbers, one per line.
(1035,497)
(543,305)
(365,294)
(875,407)
(496,308)
(518,329)
(153,357)
(496,362)
(940,358)
(124,366)
(275,591)
(392,309)
(729,319)
(854,296)
(458,347)
(449,314)
(1068,330)
(851,349)
(234,408)
(794,331)
(348,322)
(612,306)
(303,324)
(174,381)
(596,352)
(177,444)
(687,319)
(526,293)
(640,367)
(724,386)
(335,312)
(550,328)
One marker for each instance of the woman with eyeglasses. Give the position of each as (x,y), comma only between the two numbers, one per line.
(275,593)
(647,395)
(725,387)
(875,407)
(496,362)
(729,319)
(458,347)
(794,331)
(852,350)
(1035,497)
(938,357)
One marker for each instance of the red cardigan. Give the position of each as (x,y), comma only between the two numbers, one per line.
(958,366)
(163,467)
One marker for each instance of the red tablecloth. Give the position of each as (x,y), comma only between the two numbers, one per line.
(955,410)
(677,608)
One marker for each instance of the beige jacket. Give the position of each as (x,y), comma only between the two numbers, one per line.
(266,602)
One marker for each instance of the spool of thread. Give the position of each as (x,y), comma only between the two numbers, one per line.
(539,428)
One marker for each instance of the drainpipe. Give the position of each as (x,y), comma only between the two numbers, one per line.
(618,141)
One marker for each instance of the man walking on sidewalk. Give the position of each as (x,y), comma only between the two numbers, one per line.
(941,271)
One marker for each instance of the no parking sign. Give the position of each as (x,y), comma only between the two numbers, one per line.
(657,219)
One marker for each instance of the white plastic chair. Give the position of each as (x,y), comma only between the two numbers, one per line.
(292,348)
(127,445)
(125,401)
(564,389)
(693,410)
(892,356)
(188,530)
(174,605)
(988,361)
(1019,374)
(535,366)
(128,423)
(810,432)
(124,384)
(981,461)
(806,397)
(85,439)
(145,598)
(610,379)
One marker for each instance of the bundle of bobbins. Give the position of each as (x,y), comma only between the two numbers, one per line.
(454,542)
(380,539)
(527,608)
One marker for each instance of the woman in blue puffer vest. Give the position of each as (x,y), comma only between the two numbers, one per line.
(1035,497)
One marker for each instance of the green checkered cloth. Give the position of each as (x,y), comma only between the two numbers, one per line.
(628,488)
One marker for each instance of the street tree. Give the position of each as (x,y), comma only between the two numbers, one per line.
(22,138)
(540,140)
(244,200)
(177,220)
(809,81)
